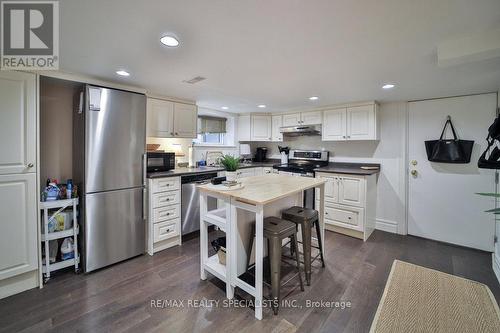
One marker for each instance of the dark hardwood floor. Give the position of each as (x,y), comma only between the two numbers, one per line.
(118,298)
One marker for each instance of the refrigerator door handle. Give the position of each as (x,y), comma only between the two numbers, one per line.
(144,182)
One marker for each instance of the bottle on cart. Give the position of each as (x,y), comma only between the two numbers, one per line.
(69,188)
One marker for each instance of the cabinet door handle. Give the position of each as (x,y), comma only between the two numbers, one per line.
(171,133)
(176,133)
(30,165)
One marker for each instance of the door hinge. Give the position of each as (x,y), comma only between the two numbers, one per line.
(495,239)
(496,178)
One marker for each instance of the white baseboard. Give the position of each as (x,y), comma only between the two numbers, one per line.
(496,265)
(386,225)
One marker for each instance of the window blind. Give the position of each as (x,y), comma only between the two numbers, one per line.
(209,124)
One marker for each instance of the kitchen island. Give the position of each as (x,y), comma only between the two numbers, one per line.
(260,196)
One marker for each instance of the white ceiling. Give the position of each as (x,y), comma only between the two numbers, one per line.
(279,52)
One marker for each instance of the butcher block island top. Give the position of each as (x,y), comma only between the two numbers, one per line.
(260,190)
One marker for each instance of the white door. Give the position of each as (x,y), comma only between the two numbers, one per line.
(261,128)
(17,123)
(185,120)
(311,118)
(18,234)
(334,125)
(442,203)
(361,122)
(160,118)
(291,119)
(277,122)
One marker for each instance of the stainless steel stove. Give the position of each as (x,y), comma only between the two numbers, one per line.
(302,163)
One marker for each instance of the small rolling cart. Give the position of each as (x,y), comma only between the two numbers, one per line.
(50,209)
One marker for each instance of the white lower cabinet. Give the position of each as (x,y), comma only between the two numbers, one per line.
(18,237)
(350,203)
(164,213)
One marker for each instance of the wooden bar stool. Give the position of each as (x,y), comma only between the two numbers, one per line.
(275,230)
(307,218)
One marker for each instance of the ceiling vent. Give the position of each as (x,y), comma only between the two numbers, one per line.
(195,79)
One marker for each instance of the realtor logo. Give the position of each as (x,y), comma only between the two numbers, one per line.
(30,35)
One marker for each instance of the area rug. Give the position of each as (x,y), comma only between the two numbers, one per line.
(419,299)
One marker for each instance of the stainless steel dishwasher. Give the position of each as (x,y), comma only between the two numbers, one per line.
(190,201)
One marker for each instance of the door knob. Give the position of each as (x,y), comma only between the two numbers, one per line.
(414,162)
(414,173)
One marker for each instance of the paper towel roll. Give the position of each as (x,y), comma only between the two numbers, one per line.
(191,157)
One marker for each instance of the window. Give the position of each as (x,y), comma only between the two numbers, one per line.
(211,138)
(211,130)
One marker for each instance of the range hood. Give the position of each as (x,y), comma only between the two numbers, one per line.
(301,130)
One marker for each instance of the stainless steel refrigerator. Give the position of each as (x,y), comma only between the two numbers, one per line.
(108,165)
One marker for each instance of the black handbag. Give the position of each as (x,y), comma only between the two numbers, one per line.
(490,158)
(449,150)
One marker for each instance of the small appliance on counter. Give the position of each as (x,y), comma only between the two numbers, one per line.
(284,154)
(260,154)
(159,162)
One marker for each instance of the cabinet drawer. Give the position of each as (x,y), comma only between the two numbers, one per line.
(166,213)
(350,217)
(165,198)
(165,230)
(165,184)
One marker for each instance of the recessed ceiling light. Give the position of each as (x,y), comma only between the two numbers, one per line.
(224,108)
(261,106)
(123,73)
(388,86)
(169,41)
(314,98)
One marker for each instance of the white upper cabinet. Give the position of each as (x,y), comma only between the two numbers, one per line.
(291,119)
(277,122)
(351,123)
(160,118)
(334,125)
(311,118)
(166,119)
(302,118)
(17,123)
(185,120)
(261,128)
(244,128)
(362,123)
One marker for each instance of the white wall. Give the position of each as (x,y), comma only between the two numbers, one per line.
(389,152)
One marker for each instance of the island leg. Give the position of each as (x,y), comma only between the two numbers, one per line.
(259,255)
(322,216)
(203,236)
(231,255)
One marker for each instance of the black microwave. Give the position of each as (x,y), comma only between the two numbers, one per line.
(159,162)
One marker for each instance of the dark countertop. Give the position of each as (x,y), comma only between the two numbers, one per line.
(349,168)
(201,170)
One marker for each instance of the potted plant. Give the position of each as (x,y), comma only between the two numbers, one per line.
(231,164)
